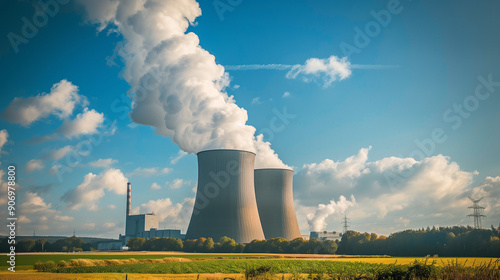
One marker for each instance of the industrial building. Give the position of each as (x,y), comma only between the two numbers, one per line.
(141,225)
(274,193)
(325,235)
(225,202)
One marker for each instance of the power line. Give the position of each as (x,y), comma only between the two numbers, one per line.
(345,223)
(476,212)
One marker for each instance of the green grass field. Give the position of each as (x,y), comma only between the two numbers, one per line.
(217,266)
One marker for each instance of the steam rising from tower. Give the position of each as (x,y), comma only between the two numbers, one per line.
(176,86)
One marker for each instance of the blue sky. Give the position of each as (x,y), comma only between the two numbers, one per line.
(434,53)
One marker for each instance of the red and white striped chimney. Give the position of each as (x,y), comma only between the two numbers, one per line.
(129,197)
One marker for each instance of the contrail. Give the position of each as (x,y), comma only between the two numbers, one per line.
(289,66)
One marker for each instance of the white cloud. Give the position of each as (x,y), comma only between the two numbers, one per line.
(286,94)
(177,183)
(60,153)
(180,154)
(61,101)
(328,70)
(88,193)
(155,186)
(103,163)
(32,165)
(146,172)
(41,215)
(54,169)
(4,135)
(428,192)
(112,206)
(175,215)
(85,123)
(256,100)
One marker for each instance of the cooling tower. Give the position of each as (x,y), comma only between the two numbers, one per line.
(225,199)
(274,192)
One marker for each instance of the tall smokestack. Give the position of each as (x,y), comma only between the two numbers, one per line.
(274,192)
(225,200)
(129,197)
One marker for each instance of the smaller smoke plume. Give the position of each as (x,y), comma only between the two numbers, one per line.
(317,221)
(266,156)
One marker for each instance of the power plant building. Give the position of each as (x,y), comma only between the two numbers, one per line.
(225,202)
(274,193)
(141,225)
(325,235)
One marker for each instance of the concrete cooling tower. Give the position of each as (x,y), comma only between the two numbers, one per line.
(274,192)
(225,199)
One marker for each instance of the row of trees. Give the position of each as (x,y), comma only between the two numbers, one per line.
(228,245)
(70,244)
(443,241)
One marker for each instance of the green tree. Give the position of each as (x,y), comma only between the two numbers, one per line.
(136,244)
(25,245)
(225,245)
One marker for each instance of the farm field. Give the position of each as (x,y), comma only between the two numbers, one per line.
(218,266)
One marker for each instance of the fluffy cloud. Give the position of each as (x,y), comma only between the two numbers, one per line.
(428,192)
(328,70)
(32,165)
(286,94)
(60,153)
(4,135)
(175,215)
(60,101)
(39,215)
(146,172)
(85,123)
(178,183)
(155,186)
(88,193)
(103,163)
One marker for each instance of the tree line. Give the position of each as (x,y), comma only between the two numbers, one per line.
(69,244)
(443,241)
(228,245)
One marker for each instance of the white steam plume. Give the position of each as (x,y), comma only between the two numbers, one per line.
(317,221)
(177,87)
